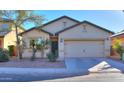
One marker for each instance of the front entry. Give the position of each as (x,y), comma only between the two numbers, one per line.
(12,50)
(54,48)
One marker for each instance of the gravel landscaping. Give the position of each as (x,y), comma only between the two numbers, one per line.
(38,63)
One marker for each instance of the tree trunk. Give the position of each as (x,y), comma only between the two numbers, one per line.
(33,53)
(18,44)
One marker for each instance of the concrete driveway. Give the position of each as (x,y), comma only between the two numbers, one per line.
(94,65)
(74,67)
(94,70)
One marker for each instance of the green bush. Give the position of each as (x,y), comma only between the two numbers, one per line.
(10,50)
(118,47)
(52,57)
(4,55)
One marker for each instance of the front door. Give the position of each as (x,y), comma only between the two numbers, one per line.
(54,47)
(54,44)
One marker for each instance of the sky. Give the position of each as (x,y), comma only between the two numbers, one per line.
(109,19)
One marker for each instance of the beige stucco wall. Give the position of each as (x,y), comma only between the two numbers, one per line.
(58,25)
(27,52)
(10,38)
(78,33)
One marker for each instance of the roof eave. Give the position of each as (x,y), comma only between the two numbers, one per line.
(98,26)
(59,19)
(84,22)
(36,29)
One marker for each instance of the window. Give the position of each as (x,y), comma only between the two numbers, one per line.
(39,40)
(35,41)
(32,43)
(5,26)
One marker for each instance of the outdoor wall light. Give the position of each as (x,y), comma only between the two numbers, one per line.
(107,38)
(61,40)
(84,28)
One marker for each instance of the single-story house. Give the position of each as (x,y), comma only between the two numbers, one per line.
(8,35)
(71,38)
(118,36)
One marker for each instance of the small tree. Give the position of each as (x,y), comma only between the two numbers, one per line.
(34,50)
(22,45)
(118,47)
(4,55)
(39,44)
(19,18)
(42,45)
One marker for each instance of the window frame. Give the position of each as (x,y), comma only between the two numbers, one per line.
(5,26)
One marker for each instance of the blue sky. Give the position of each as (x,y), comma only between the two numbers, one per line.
(110,19)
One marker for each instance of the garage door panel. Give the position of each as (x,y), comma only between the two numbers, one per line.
(84,49)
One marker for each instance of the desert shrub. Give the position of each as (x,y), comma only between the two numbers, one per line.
(52,56)
(4,55)
(10,50)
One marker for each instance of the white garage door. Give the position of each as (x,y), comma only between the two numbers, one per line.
(84,49)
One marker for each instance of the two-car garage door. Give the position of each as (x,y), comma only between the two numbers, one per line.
(84,48)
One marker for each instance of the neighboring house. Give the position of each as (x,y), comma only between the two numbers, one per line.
(118,36)
(71,38)
(8,35)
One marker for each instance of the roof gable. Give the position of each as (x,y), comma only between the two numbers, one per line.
(60,19)
(48,24)
(87,23)
(34,29)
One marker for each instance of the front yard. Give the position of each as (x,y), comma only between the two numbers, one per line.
(76,69)
(38,63)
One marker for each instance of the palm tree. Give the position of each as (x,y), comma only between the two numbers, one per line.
(19,18)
